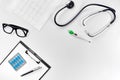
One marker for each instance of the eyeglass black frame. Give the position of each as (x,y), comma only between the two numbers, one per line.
(15,27)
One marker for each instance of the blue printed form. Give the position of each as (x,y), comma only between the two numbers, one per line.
(17,62)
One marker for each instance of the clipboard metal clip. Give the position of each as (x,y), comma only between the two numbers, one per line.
(37,61)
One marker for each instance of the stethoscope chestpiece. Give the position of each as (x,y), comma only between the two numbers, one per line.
(70,5)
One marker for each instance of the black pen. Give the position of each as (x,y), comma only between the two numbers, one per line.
(35,69)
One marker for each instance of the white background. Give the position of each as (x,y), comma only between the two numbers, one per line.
(71,58)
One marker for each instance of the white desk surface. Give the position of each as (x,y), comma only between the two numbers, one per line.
(71,58)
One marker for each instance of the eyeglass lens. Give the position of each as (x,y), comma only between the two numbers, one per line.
(21,33)
(8,29)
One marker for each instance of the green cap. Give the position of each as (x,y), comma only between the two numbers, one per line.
(71,32)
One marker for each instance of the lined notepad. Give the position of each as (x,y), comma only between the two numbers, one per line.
(35,12)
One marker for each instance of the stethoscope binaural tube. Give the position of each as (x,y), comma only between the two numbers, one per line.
(103,28)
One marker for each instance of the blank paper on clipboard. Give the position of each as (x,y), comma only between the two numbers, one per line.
(28,64)
(35,12)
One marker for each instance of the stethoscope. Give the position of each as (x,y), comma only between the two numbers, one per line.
(71,4)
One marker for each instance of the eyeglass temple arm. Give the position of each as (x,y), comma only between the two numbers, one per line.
(12,25)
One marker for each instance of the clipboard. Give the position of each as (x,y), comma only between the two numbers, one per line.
(27,60)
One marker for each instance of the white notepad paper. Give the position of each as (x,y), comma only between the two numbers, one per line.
(35,12)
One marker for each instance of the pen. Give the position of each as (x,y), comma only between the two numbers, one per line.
(35,69)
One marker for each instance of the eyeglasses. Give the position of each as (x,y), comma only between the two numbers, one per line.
(9,28)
